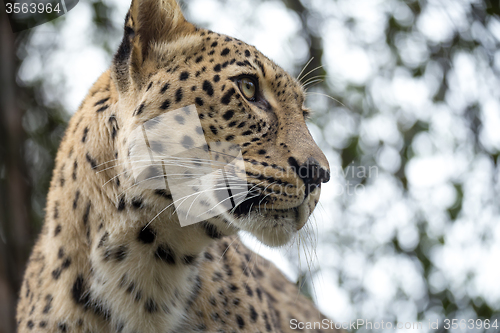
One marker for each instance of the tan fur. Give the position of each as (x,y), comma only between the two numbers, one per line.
(99,266)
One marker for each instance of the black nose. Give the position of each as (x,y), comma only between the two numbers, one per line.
(311,173)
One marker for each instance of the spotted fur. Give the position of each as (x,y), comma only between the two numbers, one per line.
(99,265)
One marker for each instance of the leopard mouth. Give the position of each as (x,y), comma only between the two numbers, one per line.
(255,200)
(268,219)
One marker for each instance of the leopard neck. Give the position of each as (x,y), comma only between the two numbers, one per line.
(135,250)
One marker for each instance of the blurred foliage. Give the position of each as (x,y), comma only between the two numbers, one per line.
(44,120)
(28,147)
(445,303)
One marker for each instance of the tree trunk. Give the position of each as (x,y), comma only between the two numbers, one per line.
(15,227)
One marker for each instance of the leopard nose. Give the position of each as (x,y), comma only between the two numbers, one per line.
(311,173)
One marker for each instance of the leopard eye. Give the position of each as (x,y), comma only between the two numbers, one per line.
(248,88)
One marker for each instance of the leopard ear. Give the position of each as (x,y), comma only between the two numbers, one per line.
(147,23)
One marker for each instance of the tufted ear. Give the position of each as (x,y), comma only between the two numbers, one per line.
(147,23)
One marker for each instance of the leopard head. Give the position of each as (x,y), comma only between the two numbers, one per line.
(165,64)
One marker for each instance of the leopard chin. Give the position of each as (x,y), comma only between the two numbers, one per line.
(274,227)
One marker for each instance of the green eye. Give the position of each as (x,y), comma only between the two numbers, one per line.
(248,88)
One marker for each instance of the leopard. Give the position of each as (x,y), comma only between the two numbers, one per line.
(112,255)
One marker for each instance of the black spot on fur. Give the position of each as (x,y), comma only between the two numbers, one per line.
(104,238)
(240,321)
(187,142)
(261,67)
(180,119)
(56,273)
(121,204)
(188,260)
(75,167)
(227,97)
(79,292)
(213,129)
(268,326)
(140,109)
(147,235)
(86,214)
(60,253)
(253,314)
(211,230)
(165,254)
(131,287)
(92,162)
(85,132)
(178,95)
(152,172)
(228,115)
(199,59)
(138,296)
(157,146)
(225,52)
(207,87)
(248,289)
(75,201)
(120,326)
(163,194)
(199,101)
(57,230)
(103,108)
(184,76)
(164,88)
(48,304)
(247,53)
(199,130)
(56,211)
(102,101)
(121,253)
(137,203)
(217,68)
(259,293)
(165,105)
(66,263)
(62,327)
(196,291)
